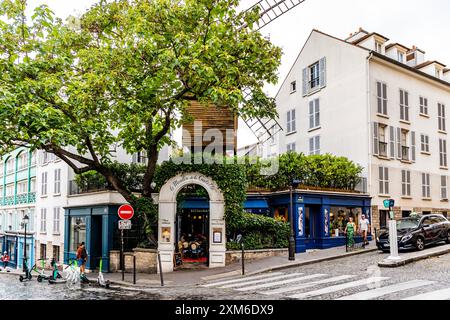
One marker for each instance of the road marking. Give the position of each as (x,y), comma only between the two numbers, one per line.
(307,285)
(443,294)
(266,280)
(282,282)
(375,293)
(245,283)
(338,287)
(241,279)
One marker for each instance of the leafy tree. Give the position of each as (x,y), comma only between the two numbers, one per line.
(123,74)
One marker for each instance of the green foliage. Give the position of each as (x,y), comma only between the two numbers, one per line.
(321,171)
(260,232)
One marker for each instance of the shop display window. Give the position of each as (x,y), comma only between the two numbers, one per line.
(339,217)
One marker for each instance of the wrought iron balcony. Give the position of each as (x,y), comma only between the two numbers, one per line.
(382,149)
(87,187)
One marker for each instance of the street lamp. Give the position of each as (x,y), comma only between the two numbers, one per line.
(25,221)
(294,184)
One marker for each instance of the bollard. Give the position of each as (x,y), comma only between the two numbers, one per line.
(160,270)
(243,259)
(134,269)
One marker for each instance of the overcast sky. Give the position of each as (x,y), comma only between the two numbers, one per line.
(425,24)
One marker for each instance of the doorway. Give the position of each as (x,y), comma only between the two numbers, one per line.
(96,241)
(312,227)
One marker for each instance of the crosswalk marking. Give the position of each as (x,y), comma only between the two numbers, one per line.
(375,293)
(307,285)
(282,282)
(338,287)
(443,294)
(245,283)
(241,279)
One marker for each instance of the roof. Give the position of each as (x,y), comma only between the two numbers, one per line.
(368,36)
(427,63)
(397,45)
(446,70)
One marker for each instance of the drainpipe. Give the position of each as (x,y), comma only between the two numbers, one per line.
(369,120)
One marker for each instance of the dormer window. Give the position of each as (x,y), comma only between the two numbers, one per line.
(411,57)
(438,73)
(378,47)
(400,57)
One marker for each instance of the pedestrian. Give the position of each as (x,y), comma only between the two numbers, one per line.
(82,257)
(5,260)
(350,232)
(364,226)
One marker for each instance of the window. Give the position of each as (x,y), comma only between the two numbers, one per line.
(22,187)
(314,76)
(23,160)
(44,184)
(2,168)
(382,98)
(56,253)
(438,73)
(33,185)
(314,114)
(383,176)
(56,219)
(404,105)
(57,185)
(10,190)
(291,147)
(383,218)
(444,183)
(441,117)
(426,189)
(293,86)
(378,47)
(314,145)
(43,220)
(291,121)
(339,217)
(400,56)
(43,251)
(77,232)
(33,157)
(443,153)
(382,140)
(424,143)
(406,183)
(423,105)
(406,213)
(10,165)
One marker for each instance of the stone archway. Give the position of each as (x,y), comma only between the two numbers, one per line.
(167,210)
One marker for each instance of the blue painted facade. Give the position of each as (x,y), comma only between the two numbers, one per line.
(98,225)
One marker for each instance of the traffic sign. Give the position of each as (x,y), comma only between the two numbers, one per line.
(386,203)
(124,224)
(126,212)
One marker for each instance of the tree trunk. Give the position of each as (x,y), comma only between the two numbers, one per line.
(152,154)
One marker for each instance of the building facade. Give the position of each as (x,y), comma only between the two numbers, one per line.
(380,104)
(17,200)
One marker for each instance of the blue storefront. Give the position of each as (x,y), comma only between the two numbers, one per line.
(96,226)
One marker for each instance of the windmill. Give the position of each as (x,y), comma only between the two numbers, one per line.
(221,118)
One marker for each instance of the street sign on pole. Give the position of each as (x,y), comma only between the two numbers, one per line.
(125,212)
(124,224)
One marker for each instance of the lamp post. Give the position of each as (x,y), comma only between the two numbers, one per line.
(293,185)
(25,220)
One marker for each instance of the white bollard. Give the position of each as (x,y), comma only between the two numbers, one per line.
(393,240)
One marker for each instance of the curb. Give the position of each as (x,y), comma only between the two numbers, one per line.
(405,261)
(308,262)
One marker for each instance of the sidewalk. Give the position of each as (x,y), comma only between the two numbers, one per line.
(193,277)
(414,256)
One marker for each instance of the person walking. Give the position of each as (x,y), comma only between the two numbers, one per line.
(82,257)
(350,232)
(364,226)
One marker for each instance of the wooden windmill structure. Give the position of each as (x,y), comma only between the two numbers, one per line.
(221,118)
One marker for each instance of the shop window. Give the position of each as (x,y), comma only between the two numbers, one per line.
(77,232)
(339,217)
(383,218)
(406,214)
(281,214)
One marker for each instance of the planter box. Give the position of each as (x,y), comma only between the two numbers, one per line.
(235,256)
(146,260)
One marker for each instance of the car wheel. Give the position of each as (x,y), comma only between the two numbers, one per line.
(448,237)
(420,244)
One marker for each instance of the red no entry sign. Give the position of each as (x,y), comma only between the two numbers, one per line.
(126,212)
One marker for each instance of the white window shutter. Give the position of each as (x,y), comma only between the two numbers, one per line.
(413,146)
(305,82)
(375,138)
(392,142)
(323,69)
(399,143)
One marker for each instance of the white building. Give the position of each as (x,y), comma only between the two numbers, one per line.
(381,104)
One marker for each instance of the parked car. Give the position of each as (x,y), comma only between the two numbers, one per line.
(416,232)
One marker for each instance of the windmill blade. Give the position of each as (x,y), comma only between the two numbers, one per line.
(269,10)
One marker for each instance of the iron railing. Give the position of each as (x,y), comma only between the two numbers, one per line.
(87,187)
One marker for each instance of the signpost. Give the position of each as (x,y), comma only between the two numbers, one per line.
(392,230)
(125,212)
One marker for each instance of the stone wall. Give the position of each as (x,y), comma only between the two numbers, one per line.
(235,256)
(146,260)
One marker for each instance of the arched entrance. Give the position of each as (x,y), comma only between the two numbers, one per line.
(167,215)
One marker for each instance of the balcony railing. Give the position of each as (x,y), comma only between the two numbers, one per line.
(383,149)
(86,187)
(405,153)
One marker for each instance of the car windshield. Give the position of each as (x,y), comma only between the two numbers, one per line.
(408,223)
